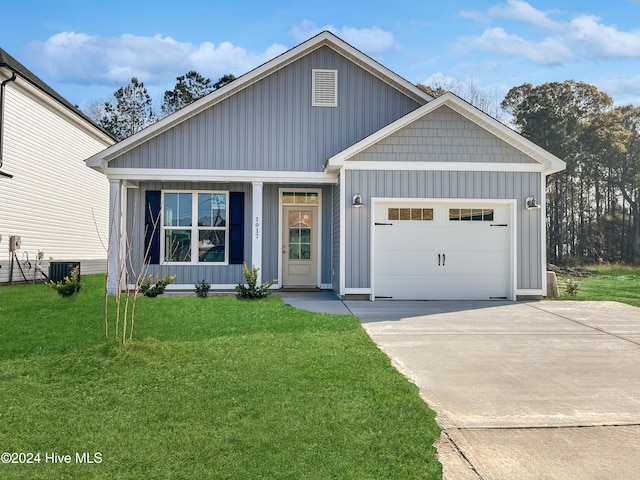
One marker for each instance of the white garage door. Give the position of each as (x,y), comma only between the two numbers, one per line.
(428,251)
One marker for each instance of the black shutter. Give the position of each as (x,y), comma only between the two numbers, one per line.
(236,227)
(151,235)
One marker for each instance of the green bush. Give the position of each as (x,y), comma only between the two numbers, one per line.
(69,285)
(202,289)
(571,286)
(149,289)
(252,289)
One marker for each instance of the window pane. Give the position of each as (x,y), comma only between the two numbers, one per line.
(177,209)
(476,215)
(300,198)
(465,214)
(405,214)
(393,214)
(212,209)
(177,245)
(211,245)
(294,251)
(487,215)
(427,214)
(416,214)
(454,214)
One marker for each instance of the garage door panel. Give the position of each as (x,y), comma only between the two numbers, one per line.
(442,258)
(404,263)
(484,263)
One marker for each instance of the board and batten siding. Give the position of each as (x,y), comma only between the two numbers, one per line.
(443,136)
(271,125)
(54,202)
(442,185)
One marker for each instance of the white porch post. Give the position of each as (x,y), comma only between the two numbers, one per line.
(115,235)
(256,229)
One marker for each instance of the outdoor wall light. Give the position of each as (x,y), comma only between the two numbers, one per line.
(357,201)
(532,203)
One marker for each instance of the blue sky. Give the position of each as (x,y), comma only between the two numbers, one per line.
(86,49)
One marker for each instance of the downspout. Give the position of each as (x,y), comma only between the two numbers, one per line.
(2,85)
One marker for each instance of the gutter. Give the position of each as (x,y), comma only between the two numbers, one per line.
(2,86)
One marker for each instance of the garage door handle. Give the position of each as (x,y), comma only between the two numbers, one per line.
(438,259)
(444,259)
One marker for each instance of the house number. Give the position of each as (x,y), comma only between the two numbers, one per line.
(257,227)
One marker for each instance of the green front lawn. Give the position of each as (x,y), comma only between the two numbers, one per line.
(603,282)
(210,388)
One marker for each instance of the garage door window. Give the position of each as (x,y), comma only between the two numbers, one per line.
(419,214)
(471,214)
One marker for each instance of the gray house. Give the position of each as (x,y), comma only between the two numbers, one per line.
(327,170)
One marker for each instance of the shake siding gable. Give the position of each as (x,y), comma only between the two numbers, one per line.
(443,136)
(271,125)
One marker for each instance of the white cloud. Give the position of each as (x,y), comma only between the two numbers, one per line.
(621,86)
(372,40)
(603,40)
(547,51)
(524,12)
(92,59)
(551,41)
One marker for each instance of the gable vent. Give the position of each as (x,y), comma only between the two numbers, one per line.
(324,88)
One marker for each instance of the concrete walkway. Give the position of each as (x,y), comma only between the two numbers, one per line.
(540,390)
(525,390)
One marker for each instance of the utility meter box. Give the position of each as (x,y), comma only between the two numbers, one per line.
(14,243)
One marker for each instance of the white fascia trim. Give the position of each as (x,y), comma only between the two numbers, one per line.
(550,162)
(445,166)
(193,175)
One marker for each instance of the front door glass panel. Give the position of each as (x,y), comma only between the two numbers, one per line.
(300,234)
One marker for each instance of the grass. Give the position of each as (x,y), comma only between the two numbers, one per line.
(603,282)
(210,388)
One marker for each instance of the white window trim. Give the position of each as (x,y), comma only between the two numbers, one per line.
(194,229)
(314,101)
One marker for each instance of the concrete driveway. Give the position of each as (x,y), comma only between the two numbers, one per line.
(526,390)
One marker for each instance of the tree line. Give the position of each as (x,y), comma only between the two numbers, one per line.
(593,207)
(131,108)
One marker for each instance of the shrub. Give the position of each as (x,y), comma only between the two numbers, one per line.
(69,285)
(202,289)
(149,289)
(252,289)
(571,286)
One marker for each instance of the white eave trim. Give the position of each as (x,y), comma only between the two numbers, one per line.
(446,166)
(550,163)
(193,175)
(323,39)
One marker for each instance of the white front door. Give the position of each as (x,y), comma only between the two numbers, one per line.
(300,246)
(437,251)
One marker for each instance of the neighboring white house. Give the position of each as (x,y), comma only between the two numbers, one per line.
(48,197)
